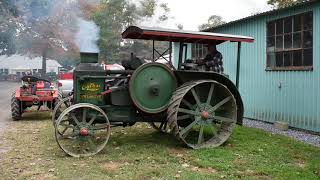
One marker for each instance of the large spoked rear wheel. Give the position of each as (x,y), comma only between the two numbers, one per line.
(82,130)
(202,114)
(60,106)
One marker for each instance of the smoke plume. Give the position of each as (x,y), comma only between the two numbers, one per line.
(87,36)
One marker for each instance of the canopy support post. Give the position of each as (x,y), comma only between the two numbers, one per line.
(153,59)
(170,52)
(238,65)
(180,55)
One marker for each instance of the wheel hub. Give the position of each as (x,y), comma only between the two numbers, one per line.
(84,132)
(205,115)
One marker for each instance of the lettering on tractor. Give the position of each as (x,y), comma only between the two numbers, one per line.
(92,87)
(199,108)
(87,96)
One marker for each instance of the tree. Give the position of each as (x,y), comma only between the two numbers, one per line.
(8,26)
(179,26)
(283,3)
(113,16)
(213,21)
(39,28)
(47,22)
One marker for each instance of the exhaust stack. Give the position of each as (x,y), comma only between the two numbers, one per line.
(89,57)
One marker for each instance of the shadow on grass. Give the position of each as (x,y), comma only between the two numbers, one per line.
(131,143)
(143,138)
(36,116)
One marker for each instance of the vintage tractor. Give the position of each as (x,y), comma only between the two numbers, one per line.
(199,108)
(34,92)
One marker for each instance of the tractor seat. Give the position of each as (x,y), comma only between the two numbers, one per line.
(190,66)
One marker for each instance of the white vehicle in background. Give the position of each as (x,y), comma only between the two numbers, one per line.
(65,84)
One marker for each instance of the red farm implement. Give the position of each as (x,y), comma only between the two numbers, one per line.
(33,92)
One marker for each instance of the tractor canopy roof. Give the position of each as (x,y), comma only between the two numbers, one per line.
(33,79)
(159,34)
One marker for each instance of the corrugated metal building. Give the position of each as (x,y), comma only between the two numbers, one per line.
(18,64)
(280,71)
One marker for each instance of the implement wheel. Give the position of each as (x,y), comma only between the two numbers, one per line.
(82,130)
(202,114)
(60,106)
(15,107)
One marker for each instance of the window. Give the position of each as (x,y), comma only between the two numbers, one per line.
(198,51)
(290,43)
(6,71)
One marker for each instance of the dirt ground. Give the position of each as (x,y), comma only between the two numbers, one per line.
(6,89)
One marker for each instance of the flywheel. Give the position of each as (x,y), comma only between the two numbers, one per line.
(151,87)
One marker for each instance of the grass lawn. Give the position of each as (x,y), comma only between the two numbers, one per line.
(140,152)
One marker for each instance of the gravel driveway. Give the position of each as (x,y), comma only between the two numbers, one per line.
(6,89)
(298,135)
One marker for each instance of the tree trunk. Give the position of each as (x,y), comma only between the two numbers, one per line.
(44,63)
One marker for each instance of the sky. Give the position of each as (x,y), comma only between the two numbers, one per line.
(192,13)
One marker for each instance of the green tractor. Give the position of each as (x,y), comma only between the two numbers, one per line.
(199,108)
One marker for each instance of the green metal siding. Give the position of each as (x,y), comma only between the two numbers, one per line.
(297,101)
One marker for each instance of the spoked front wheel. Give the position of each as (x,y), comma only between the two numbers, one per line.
(60,106)
(82,130)
(202,114)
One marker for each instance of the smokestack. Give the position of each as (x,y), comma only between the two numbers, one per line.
(89,57)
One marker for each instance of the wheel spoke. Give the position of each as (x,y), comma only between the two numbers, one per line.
(221,103)
(224,119)
(92,144)
(200,138)
(67,126)
(92,119)
(75,119)
(66,104)
(84,115)
(185,102)
(101,127)
(214,129)
(65,129)
(163,123)
(74,142)
(187,111)
(186,134)
(196,97)
(184,117)
(183,131)
(210,94)
(68,136)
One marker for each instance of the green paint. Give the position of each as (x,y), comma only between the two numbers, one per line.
(151,87)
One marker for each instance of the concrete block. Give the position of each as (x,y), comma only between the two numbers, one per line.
(282,126)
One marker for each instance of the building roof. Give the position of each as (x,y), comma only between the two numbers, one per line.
(304,3)
(24,62)
(160,34)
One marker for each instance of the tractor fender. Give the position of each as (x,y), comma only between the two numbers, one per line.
(17,93)
(186,76)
